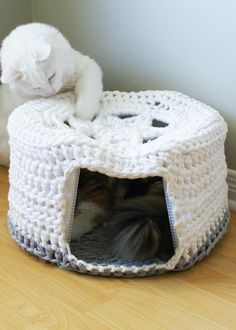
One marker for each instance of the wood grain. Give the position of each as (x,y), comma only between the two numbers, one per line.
(35,295)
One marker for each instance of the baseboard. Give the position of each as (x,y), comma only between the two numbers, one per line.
(231,179)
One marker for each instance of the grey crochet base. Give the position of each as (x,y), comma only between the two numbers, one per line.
(93,250)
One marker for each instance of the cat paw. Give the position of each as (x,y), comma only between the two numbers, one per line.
(81,125)
(85,109)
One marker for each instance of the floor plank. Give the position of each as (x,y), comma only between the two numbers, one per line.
(42,296)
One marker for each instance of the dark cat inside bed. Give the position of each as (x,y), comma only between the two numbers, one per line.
(132,211)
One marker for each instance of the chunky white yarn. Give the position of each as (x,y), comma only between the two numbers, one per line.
(188,154)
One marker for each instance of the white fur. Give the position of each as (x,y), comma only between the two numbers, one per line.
(8,101)
(37,61)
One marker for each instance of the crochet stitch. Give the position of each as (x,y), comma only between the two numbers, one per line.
(151,133)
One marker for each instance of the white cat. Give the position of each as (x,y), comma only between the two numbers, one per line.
(8,102)
(37,61)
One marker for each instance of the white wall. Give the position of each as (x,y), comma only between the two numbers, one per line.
(13,13)
(183,45)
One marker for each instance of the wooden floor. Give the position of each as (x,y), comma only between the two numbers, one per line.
(35,295)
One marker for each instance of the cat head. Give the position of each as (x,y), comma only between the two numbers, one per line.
(36,60)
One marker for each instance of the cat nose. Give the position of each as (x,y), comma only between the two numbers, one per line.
(48,94)
(53,90)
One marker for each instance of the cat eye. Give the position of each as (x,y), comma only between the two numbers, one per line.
(52,76)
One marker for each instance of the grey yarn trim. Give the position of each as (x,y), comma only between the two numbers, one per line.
(62,260)
(207,247)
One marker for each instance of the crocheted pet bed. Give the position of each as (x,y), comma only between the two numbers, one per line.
(152,133)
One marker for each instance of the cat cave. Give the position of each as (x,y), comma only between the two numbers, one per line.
(136,135)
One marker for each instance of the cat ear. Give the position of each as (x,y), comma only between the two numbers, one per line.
(42,51)
(9,75)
